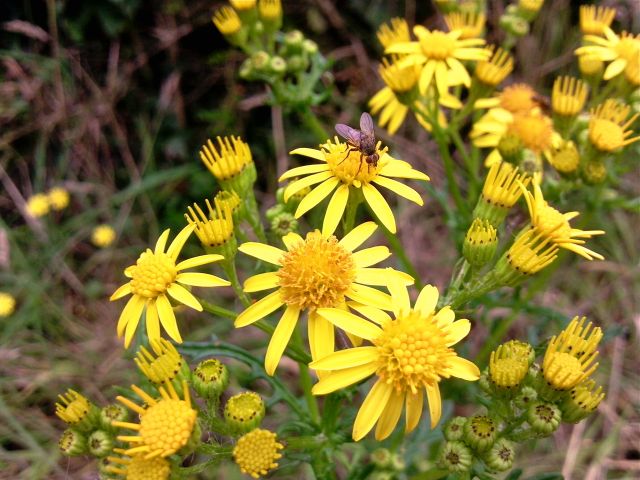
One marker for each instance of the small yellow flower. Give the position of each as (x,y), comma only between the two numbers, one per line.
(58,198)
(516,98)
(270,10)
(73,408)
(565,158)
(594,19)
(155,275)
(138,467)
(500,192)
(568,96)
(532,6)
(241,5)
(316,272)
(471,24)
(228,160)
(38,205)
(440,55)
(535,130)
(227,21)
(494,70)
(632,72)
(583,400)
(103,236)
(346,169)
(619,50)
(553,225)
(508,367)
(590,65)
(409,356)
(213,230)
(162,367)
(165,425)
(397,31)
(608,126)
(7,304)
(528,254)
(256,452)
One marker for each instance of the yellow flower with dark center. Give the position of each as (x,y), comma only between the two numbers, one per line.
(396,31)
(227,21)
(155,275)
(554,225)
(7,304)
(594,19)
(165,425)
(471,24)
(316,272)
(440,54)
(162,367)
(256,452)
(410,354)
(507,367)
(346,168)
(494,70)
(570,356)
(215,229)
(58,198)
(568,96)
(608,126)
(38,205)
(619,50)
(73,408)
(138,467)
(103,235)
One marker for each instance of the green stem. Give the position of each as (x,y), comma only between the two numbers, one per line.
(305,381)
(443,146)
(314,125)
(216,310)
(229,266)
(398,249)
(350,214)
(253,217)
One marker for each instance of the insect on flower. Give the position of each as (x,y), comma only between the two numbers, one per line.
(363,140)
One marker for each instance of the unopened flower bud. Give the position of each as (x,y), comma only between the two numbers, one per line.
(72,443)
(260,60)
(480,432)
(294,39)
(526,396)
(381,458)
(543,417)
(454,428)
(310,47)
(78,412)
(283,224)
(112,413)
(581,402)
(594,172)
(210,378)
(480,243)
(244,412)
(590,66)
(501,455)
(456,457)
(515,25)
(277,65)
(566,158)
(100,443)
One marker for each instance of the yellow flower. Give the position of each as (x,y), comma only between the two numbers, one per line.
(608,126)
(164,366)
(594,19)
(38,205)
(528,254)
(565,158)
(165,425)
(619,50)
(138,467)
(494,70)
(103,236)
(243,4)
(73,408)
(535,130)
(7,304)
(227,21)
(508,366)
(58,198)
(553,225)
(568,96)
(270,10)
(440,54)
(517,98)
(500,192)
(256,452)
(226,161)
(345,168)
(396,32)
(632,72)
(471,24)
(530,5)
(316,272)
(409,356)
(213,230)
(570,356)
(155,275)
(590,65)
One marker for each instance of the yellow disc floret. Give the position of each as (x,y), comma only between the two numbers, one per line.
(103,235)
(38,205)
(58,198)
(349,164)
(534,129)
(518,98)
(138,467)
(256,452)
(7,304)
(152,274)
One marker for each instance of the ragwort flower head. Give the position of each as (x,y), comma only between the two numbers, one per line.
(440,54)
(619,50)
(568,96)
(256,452)
(594,19)
(516,98)
(471,24)
(554,225)
(410,354)
(609,127)
(396,31)
(316,272)
(166,425)
(494,70)
(345,168)
(138,467)
(156,275)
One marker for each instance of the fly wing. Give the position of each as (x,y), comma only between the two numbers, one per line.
(366,124)
(350,134)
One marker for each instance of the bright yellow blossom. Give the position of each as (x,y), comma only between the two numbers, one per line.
(568,96)
(256,452)
(103,235)
(397,31)
(227,21)
(7,304)
(619,50)
(608,126)
(594,19)
(471,24)
(38,205)
(138,467)
(494,70)
(409,356)
(58,198)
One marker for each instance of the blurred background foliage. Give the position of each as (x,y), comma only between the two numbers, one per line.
(111,99)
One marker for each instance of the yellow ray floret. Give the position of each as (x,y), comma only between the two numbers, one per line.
(594,19)
(620,50)
(568,96)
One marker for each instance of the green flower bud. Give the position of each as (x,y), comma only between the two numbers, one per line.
(210,378)
(501,455)
(284,223)
(510,148)
(274,211)
(566,158)
(277,65)
(100,443)
(594,172)
(456,457)
(294,39)
(454,428)
(244,412)
(310,47)
(260,60)
(480,243)
(531,163)
(382,476)
(543,417)
(514,25)
(484,383)
(381,458)
(246,69)
(581,402)
(297,63)
(110,413)
(525,397)
(480,432)
(397,462)
(528,9)
(72,443)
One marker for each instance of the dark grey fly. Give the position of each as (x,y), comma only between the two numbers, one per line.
(363,141)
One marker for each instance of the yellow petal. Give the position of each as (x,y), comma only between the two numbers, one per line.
(370,296)
(335,210)
(295,187)
(168,318)
(262,251)
(259,310)
(199,260)
(457,331)
(463,368)
(400,298)
(379,206)
(374,314)
(350,323)
(343,359)
(426,76)
(176,246)
(184,296)
(358,236)
(162,242)
(445,316)
(291,239)
(321,336)
(343,378)
(404,47)
(201,280)
(131,313)
(390,416)
(399,188)
(304,170)
(614,68)
(435,403)
(280,339)
(381,276)
(400,169)
(427,300)
(371,256)
(315,196)
(153,322)
(121,292)
(440,73)
(371,409)
(262,281)
(309,152)
(414,403)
